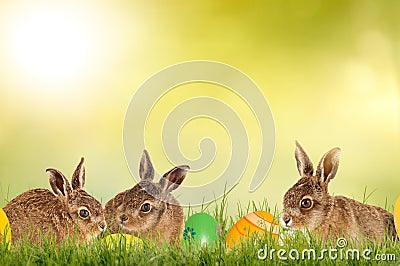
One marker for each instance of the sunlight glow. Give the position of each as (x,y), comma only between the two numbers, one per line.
(50,45)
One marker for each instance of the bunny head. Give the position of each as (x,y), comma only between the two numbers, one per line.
(84,210)
(149,204)
(307,203)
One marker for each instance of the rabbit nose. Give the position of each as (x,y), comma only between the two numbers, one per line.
(286,219)
(102,226)
(123,218)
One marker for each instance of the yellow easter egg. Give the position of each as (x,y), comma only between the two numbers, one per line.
(5,228)
(397,216)
(123,240)
(252,225)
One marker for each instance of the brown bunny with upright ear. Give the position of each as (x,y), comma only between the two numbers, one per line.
(69,212)
(148,209)
(308,204)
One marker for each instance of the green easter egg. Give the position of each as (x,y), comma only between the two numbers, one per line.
(202,228)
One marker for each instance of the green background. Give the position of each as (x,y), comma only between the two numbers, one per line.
(330,71)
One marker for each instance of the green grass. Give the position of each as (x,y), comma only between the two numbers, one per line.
(187,253)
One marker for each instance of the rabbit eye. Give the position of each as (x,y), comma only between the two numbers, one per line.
(146,207)
(84,213)
(306,203)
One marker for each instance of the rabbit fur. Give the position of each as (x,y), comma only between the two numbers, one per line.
(68,212)
(308,205)
(148,209)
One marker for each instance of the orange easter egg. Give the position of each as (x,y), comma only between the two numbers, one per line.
(251,225)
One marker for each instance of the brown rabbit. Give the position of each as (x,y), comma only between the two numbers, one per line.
(70,212)
(308,204)
(148,209)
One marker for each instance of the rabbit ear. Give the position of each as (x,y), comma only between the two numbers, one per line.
(78,178)
(304,164)
(58,182)
(328,165)
(173,178)
(146,169)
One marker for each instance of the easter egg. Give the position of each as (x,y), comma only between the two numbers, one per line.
(252,225)
(397,216)
(123,240)
(201,228)
(5,228)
